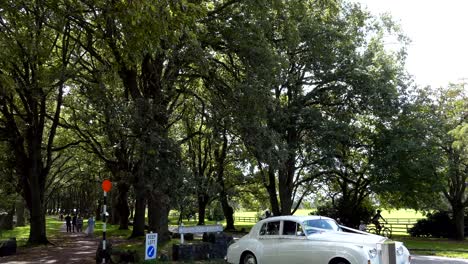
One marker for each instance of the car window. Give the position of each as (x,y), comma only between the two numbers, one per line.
(270,228)
(322,224)
(291,228)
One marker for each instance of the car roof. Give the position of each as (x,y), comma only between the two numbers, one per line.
(256,228)
(296,218)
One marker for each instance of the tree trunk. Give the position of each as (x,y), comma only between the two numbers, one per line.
(37,232)
(122,205)
(459,219)
(202,202)
(152,207)
(20,212)
(114,218)
(227,209)
(271,189)
(228,212)
(285,187)
(220,156)
(139,219)
(159,221)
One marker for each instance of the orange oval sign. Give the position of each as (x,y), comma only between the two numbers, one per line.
(106,185)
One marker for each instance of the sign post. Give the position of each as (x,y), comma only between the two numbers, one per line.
(106,187)
(151,246)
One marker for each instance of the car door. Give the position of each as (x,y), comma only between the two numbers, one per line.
(294,247)
(321,248)
(268,239)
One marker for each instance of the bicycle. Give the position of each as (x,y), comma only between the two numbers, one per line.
(384,231)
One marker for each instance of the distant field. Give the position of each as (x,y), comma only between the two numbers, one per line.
(402,213)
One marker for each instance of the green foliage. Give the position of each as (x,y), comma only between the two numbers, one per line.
(252,196)
(360,212)
(409,161)
(215,212)
(8,179)
(460,134)
(437,225)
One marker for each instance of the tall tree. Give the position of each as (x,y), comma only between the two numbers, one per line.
(289,67)
(207,151)
(200,160)
(150,76)
(450,111)
(34,66)
(423,156)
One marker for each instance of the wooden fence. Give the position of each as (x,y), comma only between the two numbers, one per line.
(246,219)
(401,225)
(397,225)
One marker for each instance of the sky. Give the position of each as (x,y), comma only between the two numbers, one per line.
(438,52)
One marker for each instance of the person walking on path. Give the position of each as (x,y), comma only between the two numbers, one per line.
(74,223)
(68,222)
(90,229)
(79,224)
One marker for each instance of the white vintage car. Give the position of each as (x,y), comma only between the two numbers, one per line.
(313,240)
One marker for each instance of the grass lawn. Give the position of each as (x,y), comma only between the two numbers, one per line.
(402,213)
(22,233)
(111,230)
(435,246)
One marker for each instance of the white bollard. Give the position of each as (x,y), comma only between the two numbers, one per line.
(181,235)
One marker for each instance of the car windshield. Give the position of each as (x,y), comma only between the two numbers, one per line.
(328,224)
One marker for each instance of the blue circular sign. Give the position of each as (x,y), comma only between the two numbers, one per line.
(150,251)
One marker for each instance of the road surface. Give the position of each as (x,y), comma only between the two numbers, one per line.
(437,260)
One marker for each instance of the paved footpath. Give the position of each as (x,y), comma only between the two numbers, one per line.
(69,248)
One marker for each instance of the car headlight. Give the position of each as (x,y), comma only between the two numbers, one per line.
(400,251)
(372,253)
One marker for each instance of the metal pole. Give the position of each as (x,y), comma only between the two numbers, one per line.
(104,227)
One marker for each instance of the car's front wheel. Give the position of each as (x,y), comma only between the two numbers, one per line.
(249,258)
(339,261)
